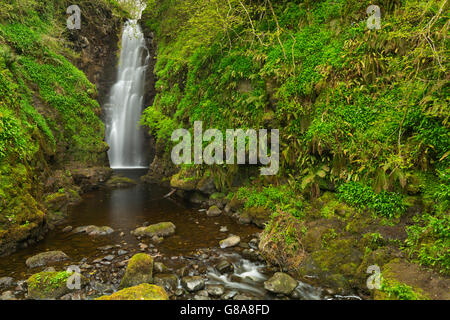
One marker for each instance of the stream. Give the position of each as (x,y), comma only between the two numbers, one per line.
(192,250)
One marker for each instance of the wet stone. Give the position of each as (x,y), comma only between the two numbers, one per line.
(6,282)
(193,283)
(215,289)
(224,266)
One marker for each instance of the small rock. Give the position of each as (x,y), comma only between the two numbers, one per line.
(200,298)
(121,252)
(230,242)
(67,229)
(6,282)
(223,229)
(229,295)
(224,266)
(242,297)
(215,289)
(193,283)
(109,257)
(105,248)
(179,292)
(143,246)
(213,211)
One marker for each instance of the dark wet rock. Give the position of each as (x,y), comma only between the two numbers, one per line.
(230,242)
(281,283)
(216,290)
(224,266)
(162,229)
(182,272)
(159,267)
(250,254)
(253,243)
(206,185)
(7,295)
(244,245)
(90,178)
(229,295)
(213,211)
(139,270)
(193,283)
(167,281)
(45,258)
(67,229)
(6,282)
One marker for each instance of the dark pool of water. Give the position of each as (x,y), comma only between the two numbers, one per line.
(124,210)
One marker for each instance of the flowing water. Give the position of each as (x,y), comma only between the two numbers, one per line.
(123,111)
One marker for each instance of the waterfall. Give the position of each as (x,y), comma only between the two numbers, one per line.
(126,99)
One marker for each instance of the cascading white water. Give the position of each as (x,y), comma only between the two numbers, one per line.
(126,100)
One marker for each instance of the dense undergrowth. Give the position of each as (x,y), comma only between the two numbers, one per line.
(363,113)
(49,115)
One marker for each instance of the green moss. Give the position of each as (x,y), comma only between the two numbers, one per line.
(141,292)
(139,270)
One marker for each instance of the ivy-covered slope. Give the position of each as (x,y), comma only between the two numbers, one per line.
(362,112)
(49,116)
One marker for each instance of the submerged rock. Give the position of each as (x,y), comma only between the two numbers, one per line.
(162,229)
(94,230)
(143,291)
(281,283)
(230,242)
(193,283)
(120,182)
(139,270)
(45,258)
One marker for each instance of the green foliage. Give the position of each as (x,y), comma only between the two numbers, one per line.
(385,204)
(429,241)
(399,291)
(274,198)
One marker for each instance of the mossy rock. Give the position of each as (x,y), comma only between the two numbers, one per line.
(206,185)
(143,291)
(120,182)
(139,270)
(56,201)
(235,204)
(184,183)
(162,229)
(258,215)
(51,285)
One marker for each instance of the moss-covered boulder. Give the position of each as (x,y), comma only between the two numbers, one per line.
(46,258)
(116,182)
(143,291)
(162,229)
(139,270)
(51,285)
(281,283)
